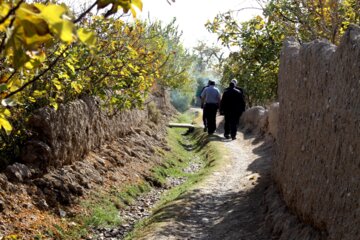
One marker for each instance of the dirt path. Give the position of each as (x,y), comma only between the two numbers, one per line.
(227,205)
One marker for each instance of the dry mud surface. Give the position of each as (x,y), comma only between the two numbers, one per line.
(228,204)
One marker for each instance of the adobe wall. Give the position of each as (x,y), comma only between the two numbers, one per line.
(64,136)
(317,160)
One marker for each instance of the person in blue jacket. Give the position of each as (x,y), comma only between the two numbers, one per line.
(211,99)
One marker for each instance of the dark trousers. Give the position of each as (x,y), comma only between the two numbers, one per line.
(210,111)
(231,124)
(204,118)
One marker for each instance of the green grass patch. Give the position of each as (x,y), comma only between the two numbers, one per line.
(102,210)
(197,146)
(101,214)
(99,211)
(129,194)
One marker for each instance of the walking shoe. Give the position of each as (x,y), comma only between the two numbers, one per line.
(205,129)
(233,138)
(227,136)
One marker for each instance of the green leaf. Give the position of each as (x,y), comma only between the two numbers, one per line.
(3,87)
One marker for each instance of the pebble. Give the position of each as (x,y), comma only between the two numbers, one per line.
(205,220)
(62,213)
(140,209)
(2,207)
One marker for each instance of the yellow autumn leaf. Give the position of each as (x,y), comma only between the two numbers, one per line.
(57,84)
(77,87)
(29,65)
(86,36)
(53,15)
(4,9)
(133,12)
(54,105)
(64,30)
(31,99)
(7,112)
(38,94)
(138,4)
(5,124)
(70,66)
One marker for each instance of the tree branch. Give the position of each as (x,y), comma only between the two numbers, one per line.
(86,12)
(11,12)
(37,77)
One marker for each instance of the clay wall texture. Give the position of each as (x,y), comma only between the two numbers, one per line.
(317,160)
(64,136)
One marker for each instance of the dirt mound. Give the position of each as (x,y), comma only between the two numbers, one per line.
(27,207)
(77,151)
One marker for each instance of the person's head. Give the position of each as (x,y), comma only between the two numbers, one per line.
(233,83)
(211,83)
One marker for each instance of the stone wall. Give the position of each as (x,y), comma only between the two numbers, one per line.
(317,162)
(64,136)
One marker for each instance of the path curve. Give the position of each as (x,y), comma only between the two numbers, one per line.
(228,204)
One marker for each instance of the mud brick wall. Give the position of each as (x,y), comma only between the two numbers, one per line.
(64,136)
(317,162)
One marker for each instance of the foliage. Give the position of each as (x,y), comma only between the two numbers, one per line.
(207,66)
(49,56)
(176,60)
(201,83)
(181,100)
(260,39)
(309,20)
(208,57)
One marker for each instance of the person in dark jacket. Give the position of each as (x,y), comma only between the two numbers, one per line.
(232,106)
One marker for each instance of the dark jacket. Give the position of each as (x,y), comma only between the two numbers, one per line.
(232,102)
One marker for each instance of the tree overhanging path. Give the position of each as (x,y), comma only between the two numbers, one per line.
(227,205)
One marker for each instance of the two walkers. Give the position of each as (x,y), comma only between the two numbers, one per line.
(232,105)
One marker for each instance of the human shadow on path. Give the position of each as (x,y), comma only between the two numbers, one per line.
(221,215)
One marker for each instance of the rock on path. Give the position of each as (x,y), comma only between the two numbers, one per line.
(227,205)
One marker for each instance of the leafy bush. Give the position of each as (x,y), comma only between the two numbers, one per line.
(181,100)
(53,56)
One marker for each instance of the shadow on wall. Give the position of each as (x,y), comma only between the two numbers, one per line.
(262,124)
